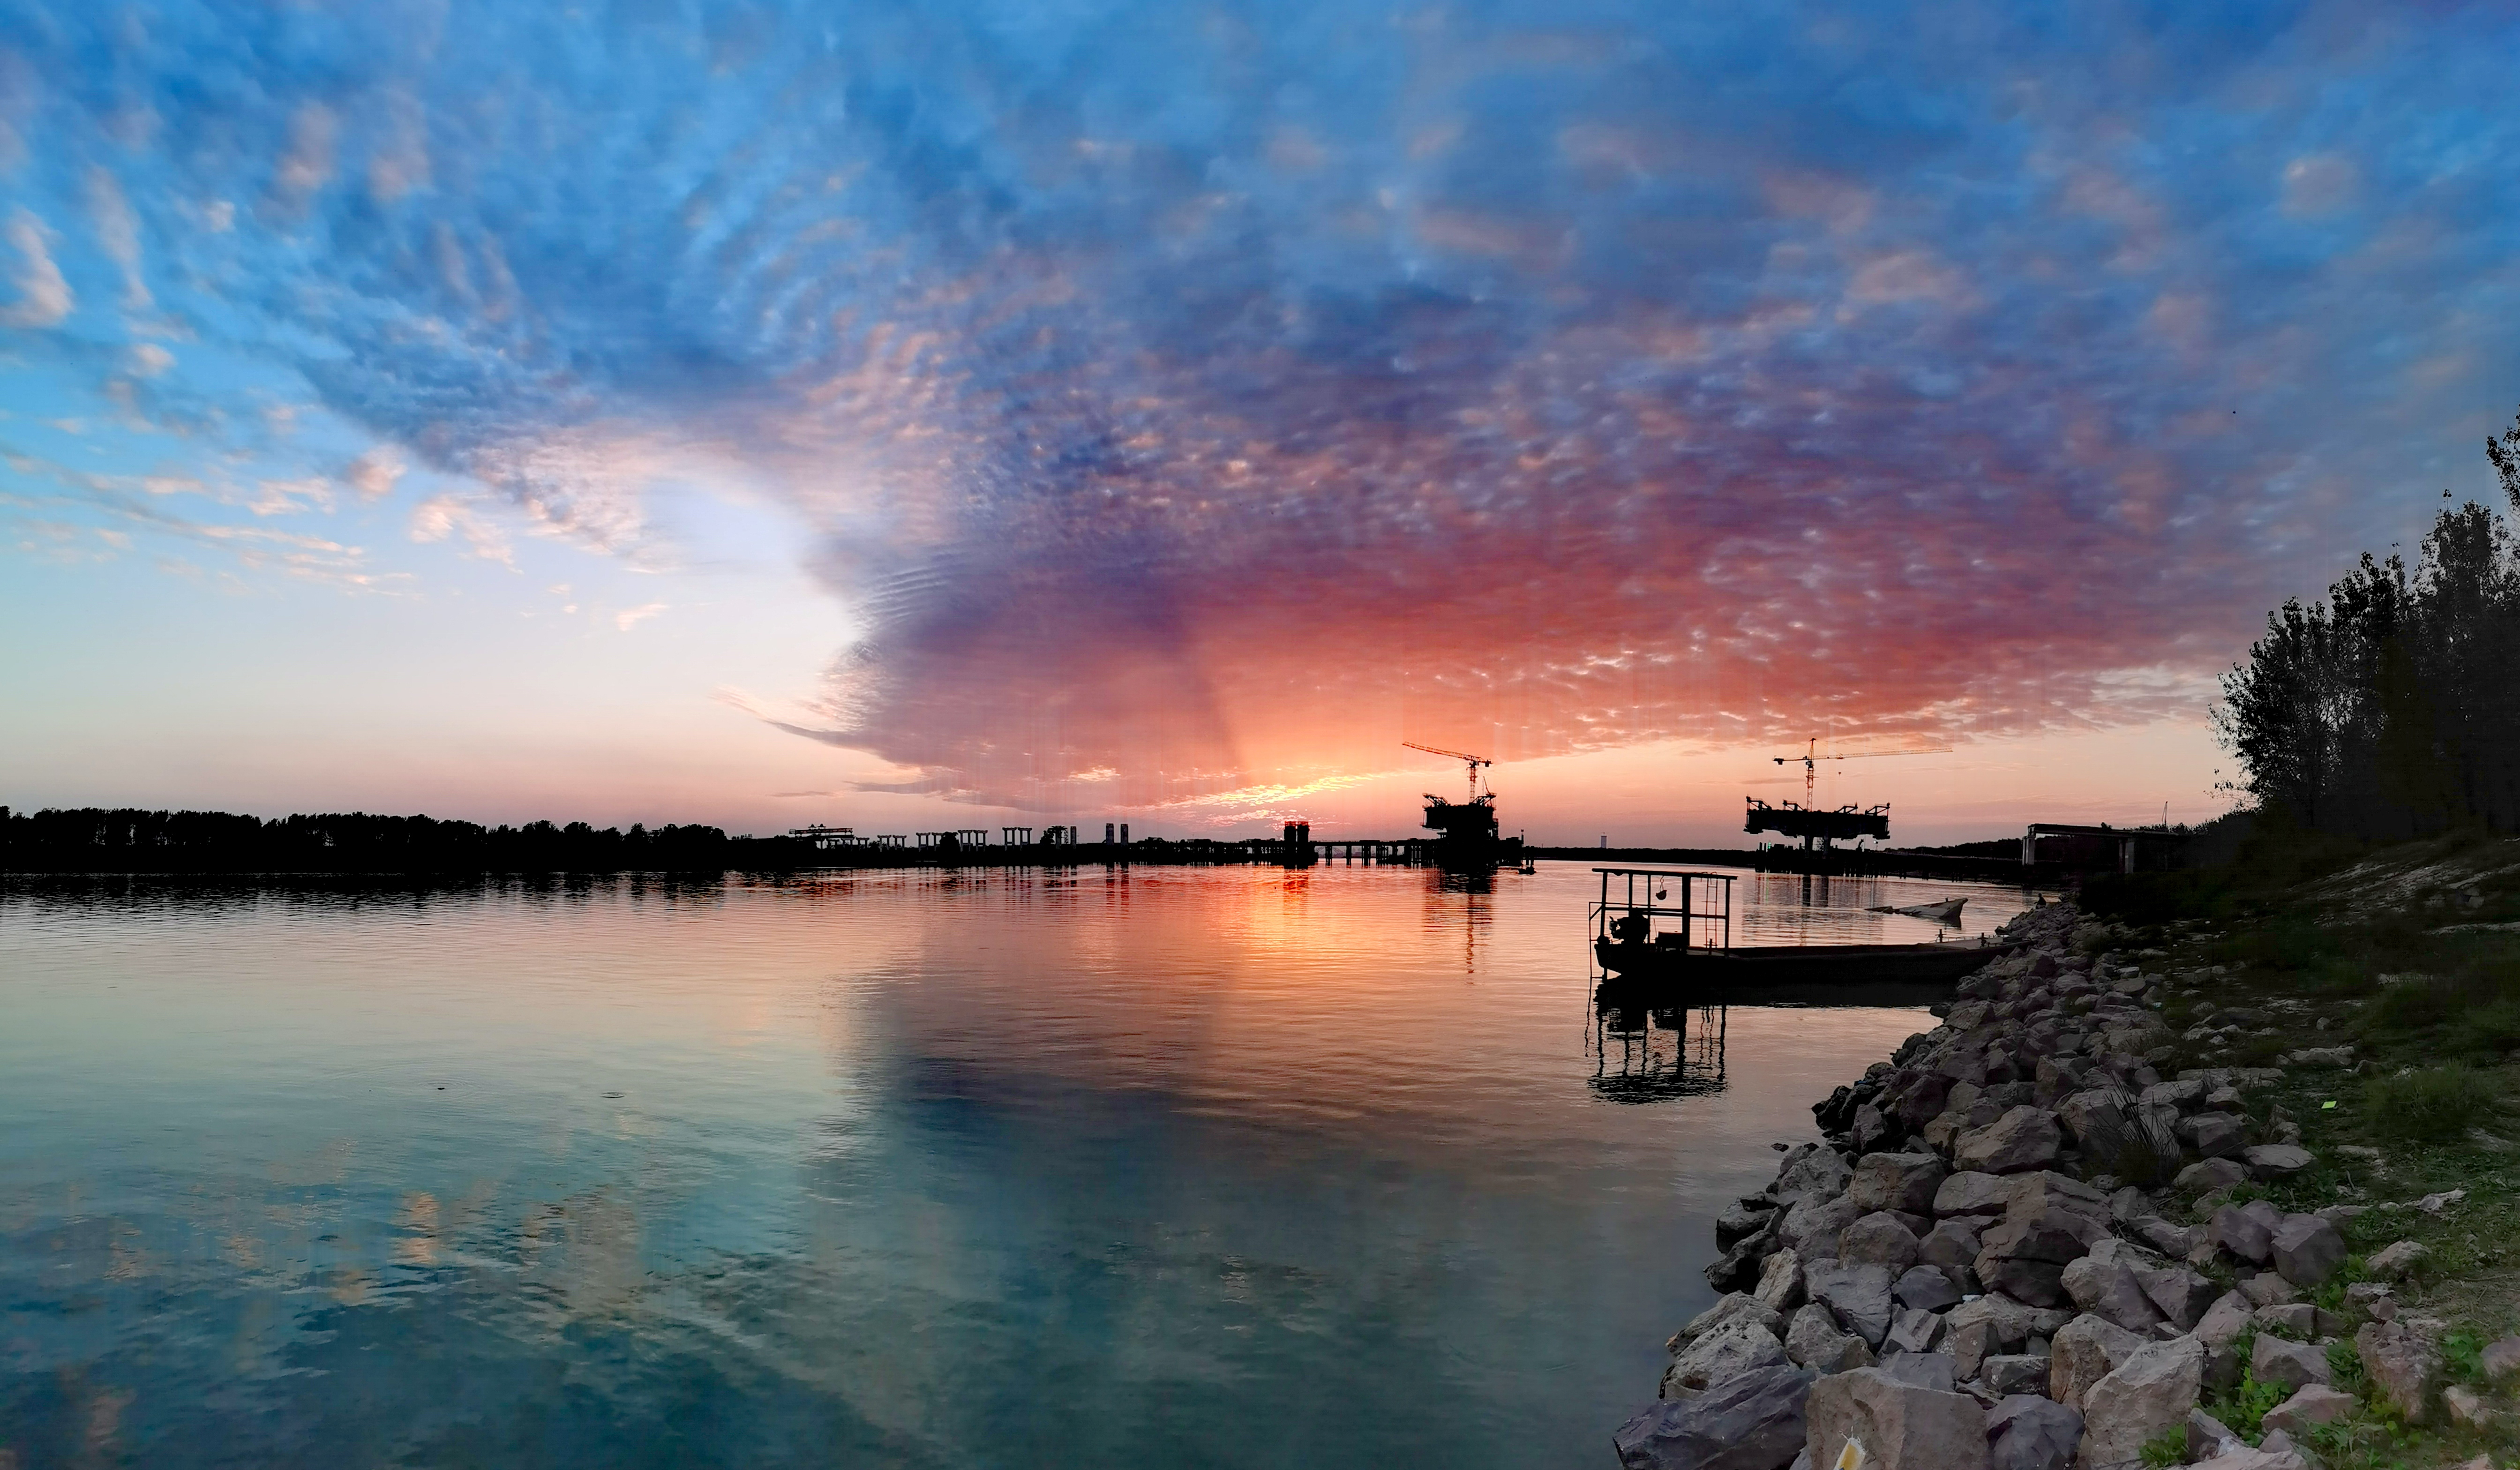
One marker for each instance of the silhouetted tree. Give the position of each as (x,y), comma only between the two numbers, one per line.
(2391,708)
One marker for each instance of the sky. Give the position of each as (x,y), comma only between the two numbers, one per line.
(964,415)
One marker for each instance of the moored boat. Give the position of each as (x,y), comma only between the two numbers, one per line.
(1698,965)
(1820,974)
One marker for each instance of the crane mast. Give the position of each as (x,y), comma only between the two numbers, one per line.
(1474,762)
(1811,759)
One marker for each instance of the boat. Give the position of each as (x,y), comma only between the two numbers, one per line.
(1945,912)
(1816,974)
(1698,963)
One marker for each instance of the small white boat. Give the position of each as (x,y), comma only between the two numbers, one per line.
(1946,912)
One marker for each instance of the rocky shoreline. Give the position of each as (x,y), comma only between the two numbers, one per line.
(2018,1249)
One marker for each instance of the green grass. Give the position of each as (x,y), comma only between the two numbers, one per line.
(2459,1034)
(2359,1444)
(2433,1106)
(2464,1356)
(2294,943)
(2136,1153)
(2344,1365)
(2242,1409)
(2167,1448)
(2489,1032)
(2412,1006)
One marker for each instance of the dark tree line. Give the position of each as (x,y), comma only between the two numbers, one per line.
(95,839)
(2391,708)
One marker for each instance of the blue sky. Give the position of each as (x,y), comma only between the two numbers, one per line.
(642,411)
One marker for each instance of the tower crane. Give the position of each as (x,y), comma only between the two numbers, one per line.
(1811,759)
(1475,762)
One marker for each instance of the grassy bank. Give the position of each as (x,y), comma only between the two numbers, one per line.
(2385,983)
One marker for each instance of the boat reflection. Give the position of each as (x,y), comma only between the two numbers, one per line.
(1663,1051)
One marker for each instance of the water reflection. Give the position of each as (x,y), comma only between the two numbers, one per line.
(1779,908)
(1661,1053)
(1095,1166)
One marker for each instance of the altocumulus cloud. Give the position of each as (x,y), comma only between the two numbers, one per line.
(1200,397)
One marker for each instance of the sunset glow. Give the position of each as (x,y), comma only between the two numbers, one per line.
(762,413)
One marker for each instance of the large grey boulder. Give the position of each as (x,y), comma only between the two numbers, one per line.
(1985,1326)
(1918,1098)
(2241,1457)
(2041,1283)
(2275,1161)
(2312,1403)
(1902,1426)
(2467,1407)
(2242,1233)
(1857,1295)
(1951,1245)
(1752,1422)
(1951,1121)
(2174,1240)
(2145,1397)
(2265,1289)
(2182,1293)
(1970,1343)
(1721,1354)
(2206,1176)
(2207,1436)
(2026,1432)
(1879,1239)
(2093,1115)
(1973,1194)
(1812,1170)
(2103,1284)
(1740,1219)
(2287,1365)
(1930,1370)
(1902,1182)
(1738,1269)
(2024,1137)
(1780,1282)
(1813,1224)
(2046,1188)
(2014,1373)
(2024,1254)
(1913,1331)
(1816,1342)
(2182,1096)
(2395,1263)
(1729,1309)
(2403,1362)
(2224,1321)
(2213,1136)
(2306,1250)
(2044,1232)
(2088,1350)
(1925,1288)
(2059,1077)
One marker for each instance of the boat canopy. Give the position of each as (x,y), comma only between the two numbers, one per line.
(1701,901)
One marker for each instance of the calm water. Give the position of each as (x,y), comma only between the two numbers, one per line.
(1150,1167)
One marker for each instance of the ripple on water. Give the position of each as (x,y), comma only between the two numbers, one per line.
(1124,1167)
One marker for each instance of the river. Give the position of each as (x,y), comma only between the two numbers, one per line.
(1109,1167)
